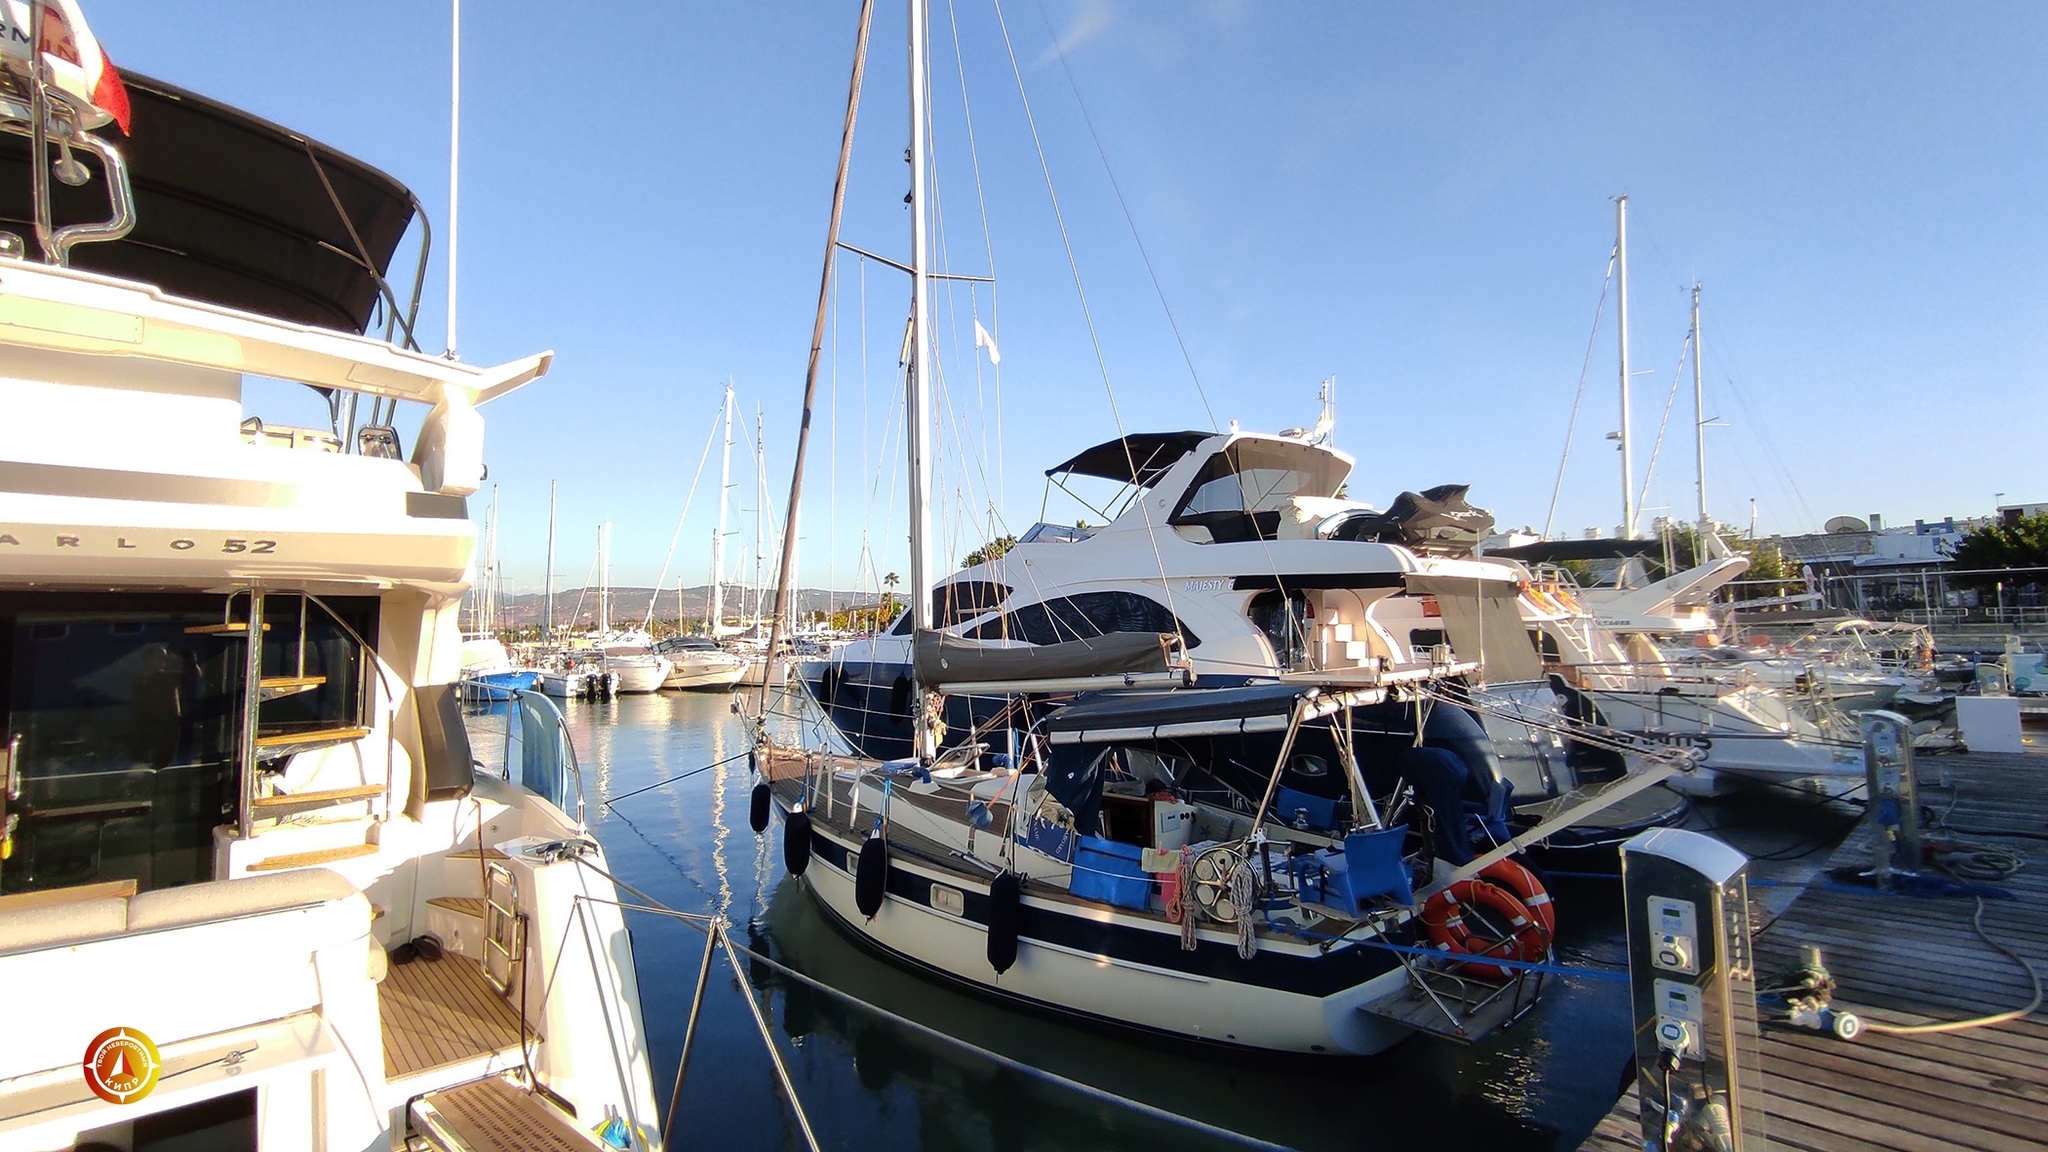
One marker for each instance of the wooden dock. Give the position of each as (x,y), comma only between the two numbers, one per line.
(1906,960)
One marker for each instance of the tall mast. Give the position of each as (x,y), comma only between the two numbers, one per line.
(1628,470)
(760,505)
(717,610)
(604,579)
(454,159)
(547,626)
(491,586)
(1699,411)
(917,379)
(917,412)
(786,578)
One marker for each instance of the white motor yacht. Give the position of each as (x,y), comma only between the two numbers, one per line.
(249,869)
(698,663)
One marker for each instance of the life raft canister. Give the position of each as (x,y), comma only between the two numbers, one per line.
(1445,922)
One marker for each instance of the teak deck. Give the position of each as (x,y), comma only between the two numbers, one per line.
(1912,960)
(441,1012)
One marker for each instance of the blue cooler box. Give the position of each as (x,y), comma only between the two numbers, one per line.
(1107,870)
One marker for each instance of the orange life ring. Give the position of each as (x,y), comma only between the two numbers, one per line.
(1443,920)
(1529,890)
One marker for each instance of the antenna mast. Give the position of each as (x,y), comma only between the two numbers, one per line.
(1699,411)
(454,160)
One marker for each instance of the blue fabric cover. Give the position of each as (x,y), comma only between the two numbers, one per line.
(1374,862)
(1322,813)
(1108,871)
(1349,878)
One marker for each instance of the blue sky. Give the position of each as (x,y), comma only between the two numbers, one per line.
(1414,199)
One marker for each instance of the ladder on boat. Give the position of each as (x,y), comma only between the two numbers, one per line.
(261,743)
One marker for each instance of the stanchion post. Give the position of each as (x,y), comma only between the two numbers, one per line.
(711,936)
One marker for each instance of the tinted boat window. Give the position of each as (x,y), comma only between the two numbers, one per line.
(1083,616)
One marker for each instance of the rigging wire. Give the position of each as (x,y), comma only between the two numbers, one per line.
(1087,314)
(1670,398)
(678,533)
(1571,427)
(1123,204)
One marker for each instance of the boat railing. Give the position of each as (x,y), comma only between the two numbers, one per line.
(540,756)
(46,115)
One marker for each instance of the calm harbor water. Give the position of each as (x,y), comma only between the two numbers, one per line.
(868,1083)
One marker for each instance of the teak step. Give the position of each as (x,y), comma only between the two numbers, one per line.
(318,799)
(473,854)
(232,628)
(466,905)
(273,687)
(299,741)
(308,859)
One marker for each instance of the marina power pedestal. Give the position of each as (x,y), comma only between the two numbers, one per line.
(1893,803)
(1693,985)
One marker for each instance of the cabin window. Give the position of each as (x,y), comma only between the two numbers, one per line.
(128,709)
(1286,620)
(127,726)
(959,602)
(1422,640)
(1546,646)
(1084,616)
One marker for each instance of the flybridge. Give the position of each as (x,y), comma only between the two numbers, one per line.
(65,309)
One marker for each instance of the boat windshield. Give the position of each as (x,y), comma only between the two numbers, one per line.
(1244,486)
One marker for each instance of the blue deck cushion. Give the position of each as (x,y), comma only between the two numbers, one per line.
(1108,871)
(1289,803)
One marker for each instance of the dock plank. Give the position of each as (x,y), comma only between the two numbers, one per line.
(1911,960)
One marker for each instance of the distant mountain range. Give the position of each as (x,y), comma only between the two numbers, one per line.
(629,605)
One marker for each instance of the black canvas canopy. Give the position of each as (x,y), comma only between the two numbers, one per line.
(1250,708)
(1140,458)
(942,658)
(1554,551)
(231,209)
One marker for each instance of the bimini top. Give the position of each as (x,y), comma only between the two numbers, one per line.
(231,209)
(1140,458)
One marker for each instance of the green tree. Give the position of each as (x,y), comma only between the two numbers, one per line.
(2020,543)
(989,551)
(1766,562)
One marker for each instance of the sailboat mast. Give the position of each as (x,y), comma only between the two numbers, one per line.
(1628,470)
(491,589)
(786,578)
(760,506)
(547,626)
(604,579)
(716,613)
(916,408)
(1699,412)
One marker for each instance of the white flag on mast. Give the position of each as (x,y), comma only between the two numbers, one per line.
(983,340)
